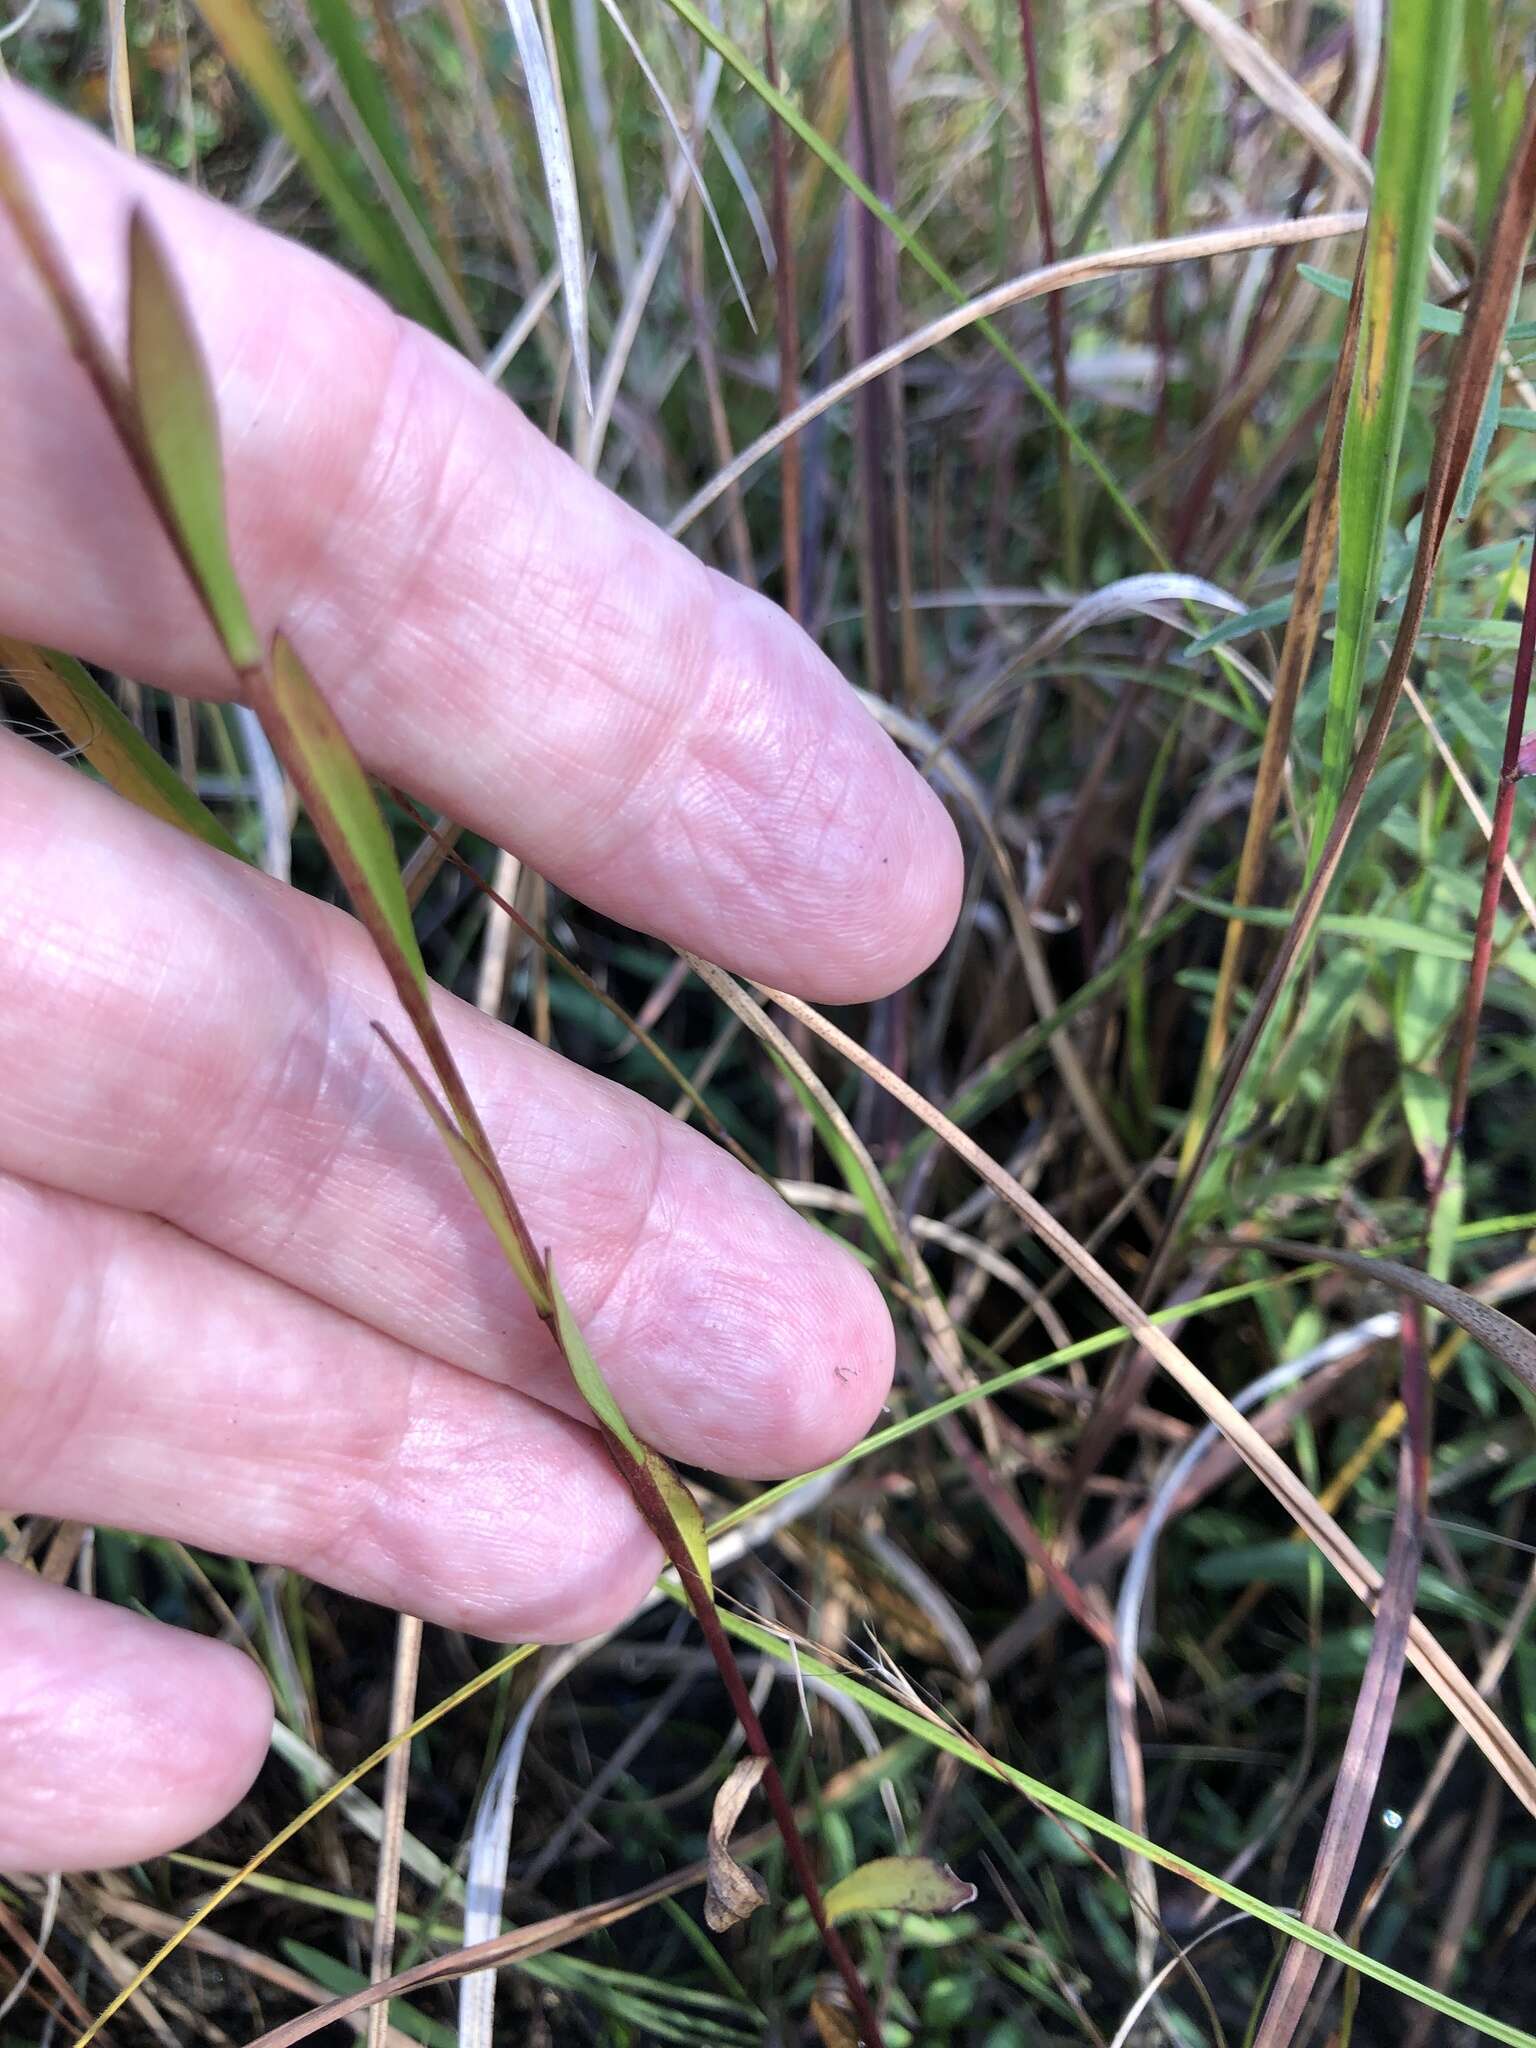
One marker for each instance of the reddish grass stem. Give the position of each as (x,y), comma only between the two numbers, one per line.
(1510,772)
(1055,309)
(650,1503)
(789,338)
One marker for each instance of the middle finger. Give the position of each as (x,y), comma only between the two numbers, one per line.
(196,1043)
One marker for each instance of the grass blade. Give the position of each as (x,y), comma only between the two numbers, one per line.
(1472,367)
(1423,41)
(1303,624)
(180,425)
(250,48)
(1499,1335)
(825,154)
(1438,1667)
(77,704)
(963,1746)
(1354,1791)
(542,77)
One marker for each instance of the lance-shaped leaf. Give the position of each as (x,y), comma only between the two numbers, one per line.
(899,1884)
(672,1498)
(309,740)
(315,750)
(113,744)
(180,426)
(483,1182)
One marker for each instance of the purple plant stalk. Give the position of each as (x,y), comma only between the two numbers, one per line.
(1160,339)
(1519,760)
(1055,310)
(651,1505)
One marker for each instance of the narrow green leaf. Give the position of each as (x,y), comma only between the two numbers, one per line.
(113,744)
(584,1370)
(248,44)
(1487,424)
(964,1748)
(846,1160)
(1432,318)
(685,1514)
(180,425)
(1490,146)
(312,746)
(1423,39)
(484,1184)
(899,1884)
(676,1497)
(340,799)
(337,27)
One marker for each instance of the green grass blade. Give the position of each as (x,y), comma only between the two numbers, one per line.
(250,48)
(477,1176)
(967,1751)
(81,709)
(678,1502)
(337,27)
(312,746)
(1423,41)
(180,425)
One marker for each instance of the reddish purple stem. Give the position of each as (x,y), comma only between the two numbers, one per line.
(1516,763)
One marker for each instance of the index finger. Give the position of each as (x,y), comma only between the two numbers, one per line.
(497,632)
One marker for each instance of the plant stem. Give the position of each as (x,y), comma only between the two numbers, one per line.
(1055,311)
(665,1530)
(1493,877)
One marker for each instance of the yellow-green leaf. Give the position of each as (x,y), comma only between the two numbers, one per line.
(173,397)
(675,1497)
(312,746)
(113,744)
(899,1884)
(685,1514)
(584,1370)
(485,1185)
(318,755)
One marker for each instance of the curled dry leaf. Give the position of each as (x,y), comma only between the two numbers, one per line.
(1500,1335)
(732,1892)
(835,2026)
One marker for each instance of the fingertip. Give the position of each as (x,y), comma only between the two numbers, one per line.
(837,1355)
(858,874)
(901,919)
(120,1738)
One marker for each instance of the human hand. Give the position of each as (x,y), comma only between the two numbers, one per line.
(244,1300)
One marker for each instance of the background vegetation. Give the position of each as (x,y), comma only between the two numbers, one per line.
(1121,577)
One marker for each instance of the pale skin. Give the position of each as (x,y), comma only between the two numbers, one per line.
(244,1301)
